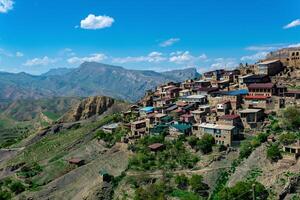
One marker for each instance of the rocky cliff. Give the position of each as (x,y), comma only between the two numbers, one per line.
(87,108)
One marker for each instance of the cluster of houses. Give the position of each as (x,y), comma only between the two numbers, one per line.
(223,103)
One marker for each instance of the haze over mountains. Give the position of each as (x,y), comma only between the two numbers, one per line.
(89,79)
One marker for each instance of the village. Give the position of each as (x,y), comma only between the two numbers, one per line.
(227,104)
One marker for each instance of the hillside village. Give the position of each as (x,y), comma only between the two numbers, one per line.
(230,134)
(223,103)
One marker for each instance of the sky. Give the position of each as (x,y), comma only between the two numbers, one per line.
(160,35)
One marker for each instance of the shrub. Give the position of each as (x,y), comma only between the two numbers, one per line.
(5,195)
(198,186)
(206,143)
(273,153)
(245,149)
(291,118)
(17,187)
(181,181)
(287,138)
(243,190)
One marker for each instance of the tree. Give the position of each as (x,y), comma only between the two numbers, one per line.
(245,149)
(182,181)
(198,186)
(291,118)
(17,187)
(273,153)
(287,138)
(205,143)
(5,195)
(243,190)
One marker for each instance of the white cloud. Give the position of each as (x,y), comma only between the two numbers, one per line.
(292,24)
(221,63)
(19,54)
(5,53)
(96,22)
(255,57)
(153,57)
(180,57)
(67,52)
(6,5)
(169,42)
(261,48)
(97,57)
(294,45)
(40,61)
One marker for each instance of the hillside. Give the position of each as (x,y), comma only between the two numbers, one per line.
(46,153)
(89,79)
(19,118)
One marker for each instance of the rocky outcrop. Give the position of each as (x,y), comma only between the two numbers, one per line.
(89,107)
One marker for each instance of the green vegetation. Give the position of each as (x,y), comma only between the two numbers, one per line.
(180,187)
(249,145)
(291,118)
(174,155)
(274,153)
(51,115)
(44,161)
(204,144)
(287,138)
(111,138)
(197,185)
(182,181)
(31,170)
(243,190)
(8,187)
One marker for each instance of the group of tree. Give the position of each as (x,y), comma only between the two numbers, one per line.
(204,144)
(246,190)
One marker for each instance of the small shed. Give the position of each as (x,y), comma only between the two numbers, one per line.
(156,147)
(77,161)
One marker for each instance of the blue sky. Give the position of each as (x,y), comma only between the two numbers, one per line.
(37,35)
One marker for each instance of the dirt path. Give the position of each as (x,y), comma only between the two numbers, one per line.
(186,171)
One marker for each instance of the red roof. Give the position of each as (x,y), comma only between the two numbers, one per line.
(260,97)
(261,86)
(229,117)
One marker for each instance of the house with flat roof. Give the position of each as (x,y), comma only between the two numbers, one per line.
(269,67)
(139,128)
(232,120)
(252,117)
(262,89)
(199,99)
(259,101)
(222,134)
(178,129)
(110,128)
(253,78)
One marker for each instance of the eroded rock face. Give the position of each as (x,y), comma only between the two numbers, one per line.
(87,108)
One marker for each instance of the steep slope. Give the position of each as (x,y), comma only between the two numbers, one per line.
(90,79)
(52,147)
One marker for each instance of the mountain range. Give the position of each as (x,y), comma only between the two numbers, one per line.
(89,79)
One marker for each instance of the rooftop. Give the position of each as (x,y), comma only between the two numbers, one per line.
(229,117)
(268,62)
(194,97)
(261,86)
(111,126)
(147,109)
(138,122)
(258,97)
(155,146)
(250,110)
(216,126)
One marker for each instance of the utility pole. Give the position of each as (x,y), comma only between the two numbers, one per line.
(253,192)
